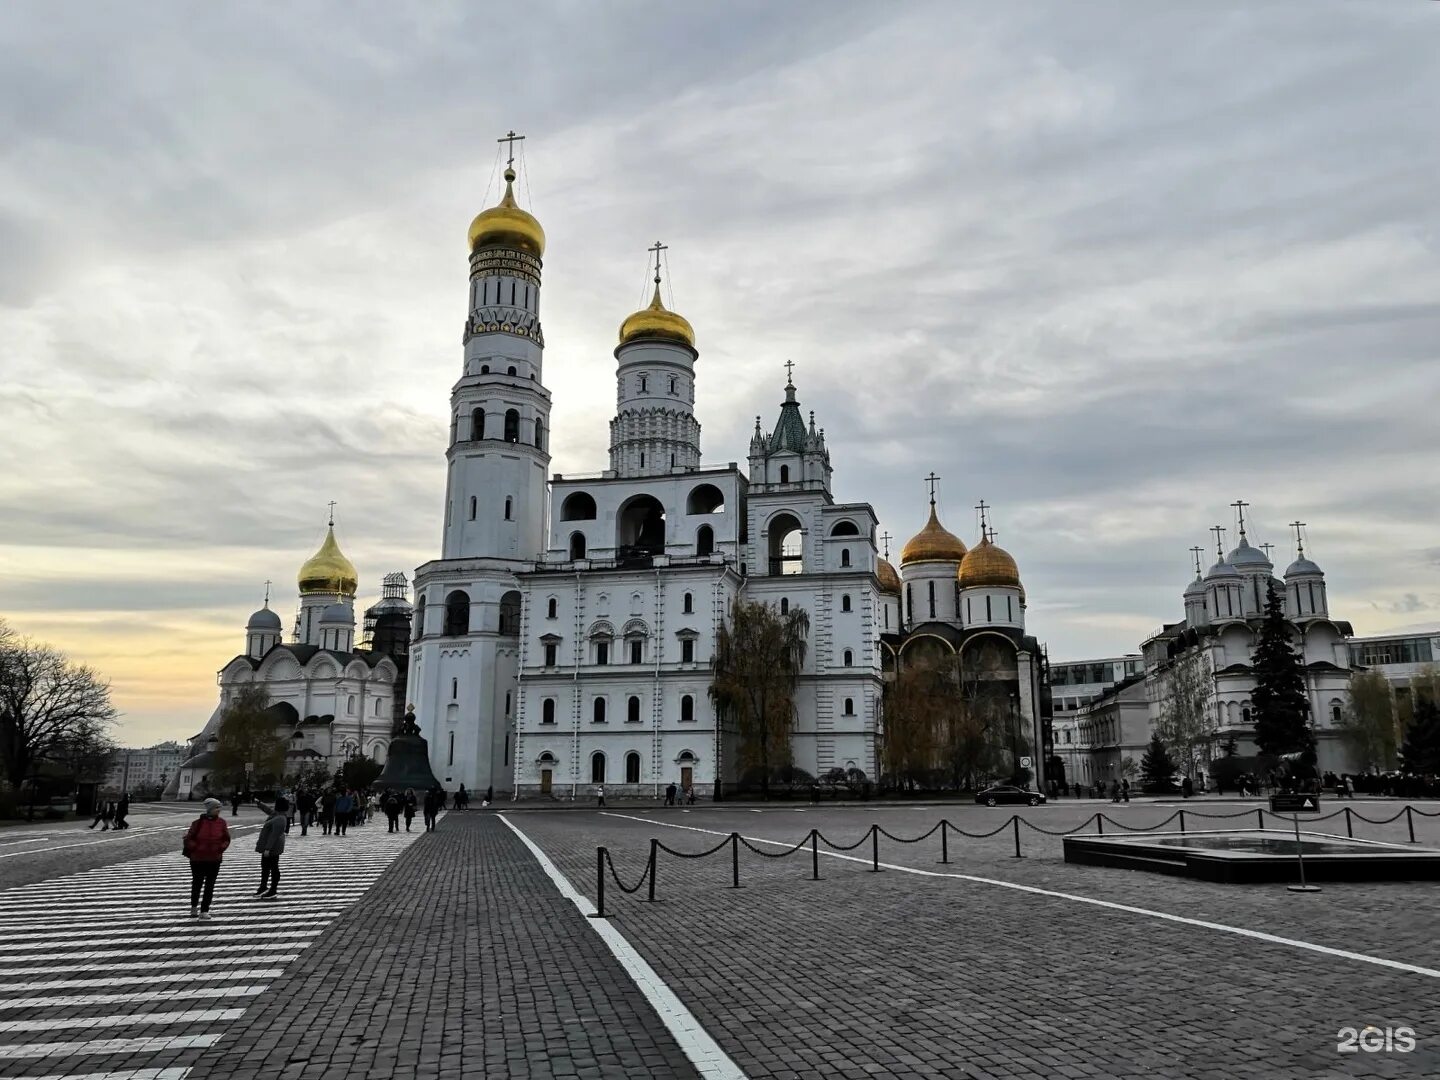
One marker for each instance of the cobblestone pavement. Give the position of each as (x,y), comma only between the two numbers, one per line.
(893,974)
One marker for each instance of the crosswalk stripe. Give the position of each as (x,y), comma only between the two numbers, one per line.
(258,914)
(148,977)
(195,932)
(65,1000)
(108,1046)
(159,1019)
(100,954)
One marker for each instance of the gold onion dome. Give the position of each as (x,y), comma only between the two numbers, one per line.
(657,321)
(506,225)
(933,543)
(988,564)
(328,570)
(889,577)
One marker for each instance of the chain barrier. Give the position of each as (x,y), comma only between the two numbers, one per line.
(775,854)
(1139,828)
(649,869)
(1058,832)
(1383,821)
(980,835)
(693,854)
(844,847)
(914,839)
(1201,813)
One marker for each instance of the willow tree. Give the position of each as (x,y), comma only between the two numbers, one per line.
(1185,724)
(1369,725)
(246,743)
(758,658)
(915,707)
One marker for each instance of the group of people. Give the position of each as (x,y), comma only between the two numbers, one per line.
(111,813)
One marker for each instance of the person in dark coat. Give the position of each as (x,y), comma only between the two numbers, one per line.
(271,845)
(122,811)
(344,807)
(392,806)
(670,795)
(327,812)
(434,803)
(305,804)
(235,803)
(205,844)
(409,804)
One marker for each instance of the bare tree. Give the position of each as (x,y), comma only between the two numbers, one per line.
(247,739)
(913,723)
(51,710)
(1184,723)
(1369,724)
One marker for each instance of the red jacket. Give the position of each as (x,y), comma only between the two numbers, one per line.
(207,839)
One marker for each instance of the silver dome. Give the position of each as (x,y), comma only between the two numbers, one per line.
(1301,566)
(1221,569)
(337,613)
(1248,557)
(264,619)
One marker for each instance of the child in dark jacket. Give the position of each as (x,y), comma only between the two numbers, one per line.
(271,844)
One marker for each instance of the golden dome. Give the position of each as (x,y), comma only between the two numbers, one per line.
(889,577)
(328,570)
(933,543)
(656,321)
(988,564)
(506,225)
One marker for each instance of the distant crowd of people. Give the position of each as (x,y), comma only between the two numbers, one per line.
(111,813)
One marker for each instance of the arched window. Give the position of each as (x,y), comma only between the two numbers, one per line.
(509,508)
(577,545)
(511,369)
(705,499)
(473,505)
(672,384)
(550,608)
(477,423)
(688,604)
(512,425)
(632,768)
(844,556)
(578,506)
(640,526)
(931,585)
(1335,712)
(786,545)
(845,602)
(484,369)
(539,434)
(784,605)
(454,689)
(632,710)
(704,541)
(547,711)
(845,528)
(784,474)
(849,658)
(457,613)
(377,706)
(687,709)
(510,613)
(350,704)
(849,706)
(599,708)
(597,767)
(1245,715)
(420,618)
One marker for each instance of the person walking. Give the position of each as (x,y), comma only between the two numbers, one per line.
(489,795)
(122,811)
(290,802)
(327,812)
(1125,790)
(99,813)
(235,803)
(205,844)
(271,845)
(670,795)
(409,807)
(305,804)
(600,796)
(462,799)
(344,807)
(433,804)
(391,806)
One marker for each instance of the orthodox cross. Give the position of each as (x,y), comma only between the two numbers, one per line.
(982,507)
(1267,548)
(790,373)
(332,511)
(657,248)
(511,138)
(990,535)
(885,539)
(932,480)
(267,591)
(1219,531)
(1197,552)
(1240,509)
(1299,540)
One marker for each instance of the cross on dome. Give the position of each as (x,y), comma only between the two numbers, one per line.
(657,248)
(1299,538)
(932,480)
(1240,506)
(1197,551)
(1219,531)
(511,139)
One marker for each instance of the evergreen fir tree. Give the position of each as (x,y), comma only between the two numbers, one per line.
(1157,767)
(1281,708)
(1421,752)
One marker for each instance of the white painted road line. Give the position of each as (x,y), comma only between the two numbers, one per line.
(1255,935)
(257,914)
(194,932)
(128,835)
(703,1051)
(188,976)
(159,1019)
(278,946)
(188,994)
(108,1046)
(153,965)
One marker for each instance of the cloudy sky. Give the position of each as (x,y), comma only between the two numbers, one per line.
(1109,266)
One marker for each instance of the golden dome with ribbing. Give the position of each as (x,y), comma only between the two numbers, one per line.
(328,570)
(657,321)
(933,543)
(506,225)
(988,564)
(889,577)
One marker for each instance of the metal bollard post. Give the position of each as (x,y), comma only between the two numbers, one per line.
(1260,817)
(1410,822)
(735,860)
(654,859)
(1015,821)
(1182,822)
(1099,824)
(1349,829)
(874,849)
(944,841)
(599,883)
(814,854)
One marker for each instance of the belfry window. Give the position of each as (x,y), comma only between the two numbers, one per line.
(550,608)
(547,711)
(599,713)
(509,506)
(472,507)
(687,605)
(687,651)
(511,369)
(849,659)
(477,423)
(687,709)
(845,602)
(539,434)
(932,599)
(644,384)
(704,541)
(632,710)
(784,474)
(512,425)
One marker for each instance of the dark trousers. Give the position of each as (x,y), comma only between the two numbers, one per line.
(409,817)
(327,822)
(269,873)
(341,820)
(429,820)
(394,822)
(203,875)
(305,817)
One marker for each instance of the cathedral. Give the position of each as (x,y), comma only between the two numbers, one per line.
(564,636)
(331,697)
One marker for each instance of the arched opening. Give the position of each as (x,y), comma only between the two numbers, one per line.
(484,369)
(420,618)
(512,425)
(705,499)
(511,369)
(509,508)
(539,434)
(578,506)
(547,711)
(577,545)
(473,506)
(687,605)
(457,613)
(844,556)
(784,605)
(845,602)
(632,710)
(845,528)
(632,768)
(848,659)
(477,423)
(704,541)
(350,705)
(849,706)
(510,613)
(598,712)
(687,708)
(551,606)
(597,767)
(784,474)
(786,545)
(640,527)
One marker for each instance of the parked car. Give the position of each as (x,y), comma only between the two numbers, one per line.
(1008,793)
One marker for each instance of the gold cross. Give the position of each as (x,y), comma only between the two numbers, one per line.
(932,480)
(332,511)
(657,248)
(511,138)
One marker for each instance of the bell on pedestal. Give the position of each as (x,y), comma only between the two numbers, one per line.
(407,764)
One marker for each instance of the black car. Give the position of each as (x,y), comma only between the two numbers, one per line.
(1008,793)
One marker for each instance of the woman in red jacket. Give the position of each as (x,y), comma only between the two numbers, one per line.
(205,845)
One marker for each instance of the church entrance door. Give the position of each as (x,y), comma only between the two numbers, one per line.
(687,776)
(544,781)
